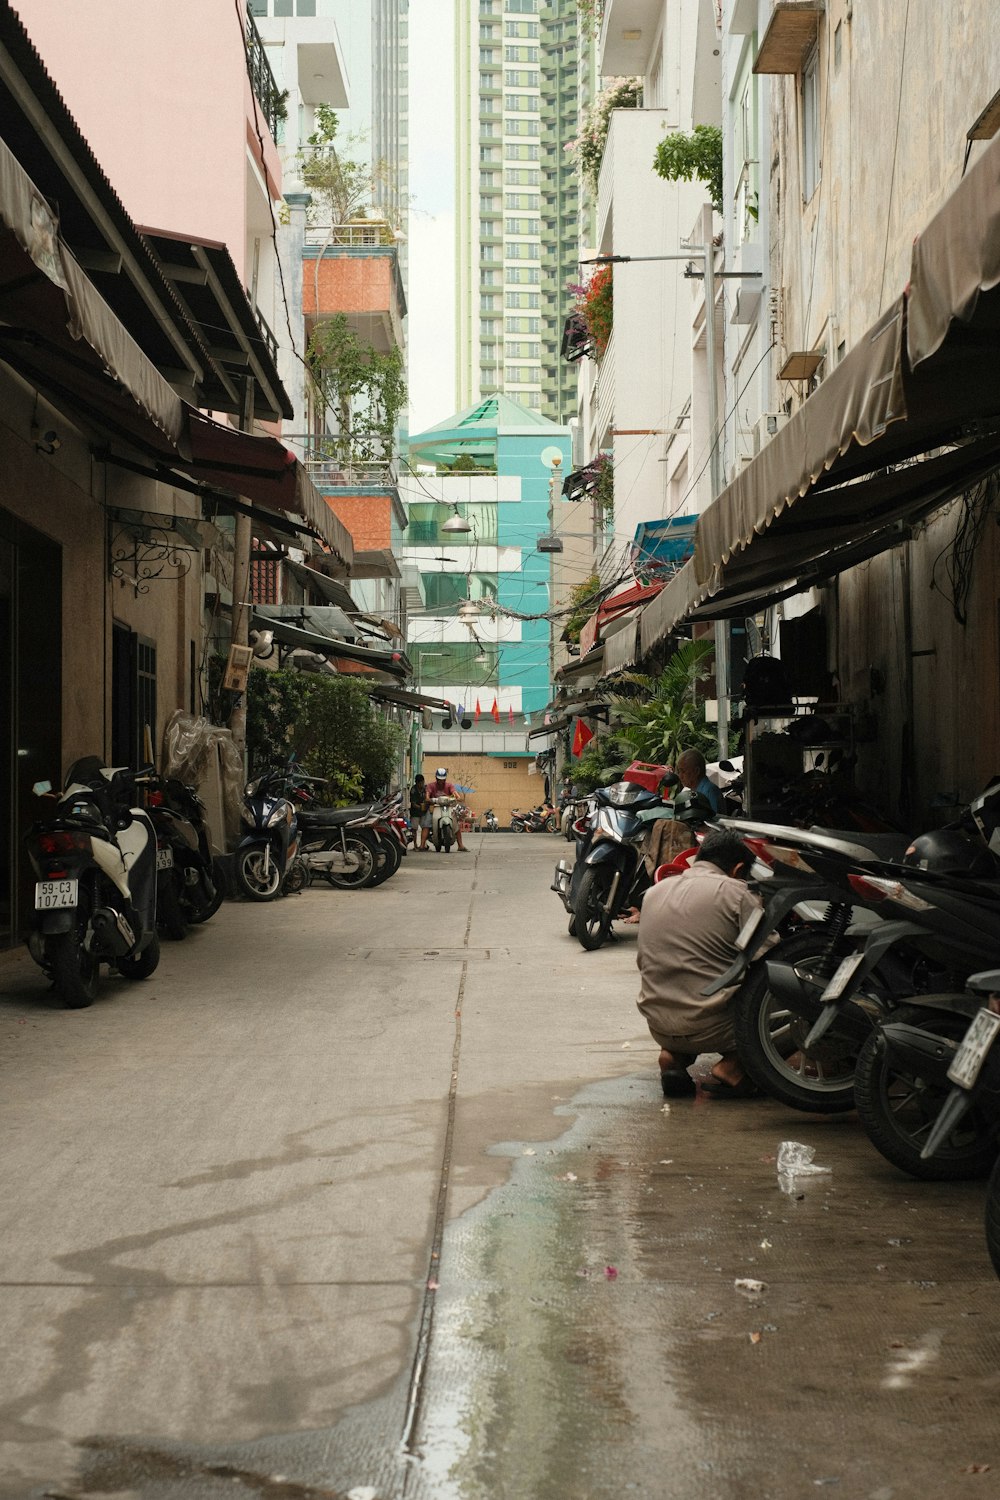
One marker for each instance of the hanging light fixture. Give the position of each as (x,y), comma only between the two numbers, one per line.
(467,610)
(456,524)
(550,542)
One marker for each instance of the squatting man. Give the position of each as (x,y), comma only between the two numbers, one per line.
(687,938)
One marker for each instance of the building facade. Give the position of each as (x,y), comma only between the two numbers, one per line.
(521,66)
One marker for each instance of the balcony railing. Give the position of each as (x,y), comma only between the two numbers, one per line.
(268,95)
(269,339)
(374,232)
(331,464)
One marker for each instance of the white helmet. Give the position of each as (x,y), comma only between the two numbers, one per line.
(441,774)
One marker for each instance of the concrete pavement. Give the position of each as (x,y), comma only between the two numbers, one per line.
(373,1191)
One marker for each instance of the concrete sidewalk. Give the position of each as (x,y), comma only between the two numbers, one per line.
(374,1190)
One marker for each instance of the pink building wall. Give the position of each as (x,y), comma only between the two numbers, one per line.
(160,90)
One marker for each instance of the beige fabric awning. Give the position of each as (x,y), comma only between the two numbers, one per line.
(60,333)
(908,419)
(621,642)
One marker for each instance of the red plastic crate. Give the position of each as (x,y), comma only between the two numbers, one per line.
(645,775)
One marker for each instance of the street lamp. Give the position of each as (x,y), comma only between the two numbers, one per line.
(550,542)
(456,525)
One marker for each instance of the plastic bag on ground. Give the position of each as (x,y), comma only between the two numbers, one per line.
(795,1161)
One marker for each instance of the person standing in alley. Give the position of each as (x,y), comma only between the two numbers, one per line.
(687,938)
(418,807)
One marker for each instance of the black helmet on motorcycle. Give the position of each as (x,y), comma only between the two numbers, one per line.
(692,807)
(948,852)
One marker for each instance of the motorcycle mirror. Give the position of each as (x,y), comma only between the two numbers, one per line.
(445,723)
(466,723)
(726,765)
(671,780)
(42,788)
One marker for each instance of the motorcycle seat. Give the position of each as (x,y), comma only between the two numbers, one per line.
(330,817)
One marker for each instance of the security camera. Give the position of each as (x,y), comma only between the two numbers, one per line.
(262,642)
(46,442)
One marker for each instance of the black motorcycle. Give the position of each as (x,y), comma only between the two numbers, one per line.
(266,855)
(610,876)
(95,893)
(188,884)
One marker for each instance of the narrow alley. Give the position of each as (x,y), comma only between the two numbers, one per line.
(374,1194)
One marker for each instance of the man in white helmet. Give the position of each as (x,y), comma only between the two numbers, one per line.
(439,787)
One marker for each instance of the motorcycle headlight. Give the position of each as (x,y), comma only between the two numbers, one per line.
(607,824)
(277,815)
(247,817)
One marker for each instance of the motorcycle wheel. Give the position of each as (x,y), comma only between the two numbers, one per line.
(296,879)
(517,828)
(446,840)
(591,922)
(364,851)
(392,858)
(768,1036)
(169,915)
(256,882)
(993,1218)
(898,1109)
(552,824)
(74,971)
(571,927)
(140,965)
(203,900)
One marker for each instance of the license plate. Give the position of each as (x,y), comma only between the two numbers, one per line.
(749,927)
(50,894)
(164,859)
(846,971)
(974,1049)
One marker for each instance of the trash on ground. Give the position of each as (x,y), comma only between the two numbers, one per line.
(611,1272)
(755,1338)
(748,1284)
(795,1161)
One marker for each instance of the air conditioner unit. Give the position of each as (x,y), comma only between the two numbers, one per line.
(766,425)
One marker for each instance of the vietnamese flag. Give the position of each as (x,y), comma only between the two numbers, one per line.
(477,710)
(495,712)
(510,713)
(581,737)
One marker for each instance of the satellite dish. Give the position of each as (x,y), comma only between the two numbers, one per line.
(551,456)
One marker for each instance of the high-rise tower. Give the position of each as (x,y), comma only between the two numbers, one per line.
(516,197)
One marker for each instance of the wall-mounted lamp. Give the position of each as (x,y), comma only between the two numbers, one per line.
(46,442)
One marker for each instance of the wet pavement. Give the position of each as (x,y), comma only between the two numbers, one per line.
(374,1194)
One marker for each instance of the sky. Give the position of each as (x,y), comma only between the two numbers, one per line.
(431,326)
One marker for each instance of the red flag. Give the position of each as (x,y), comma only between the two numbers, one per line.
(477,710)
(510,713)
(581,736)
(495,712)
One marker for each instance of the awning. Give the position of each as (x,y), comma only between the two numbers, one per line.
(392,663)
(208,287)
(58,332)
(663,543)
(322,619)
(583,671)
(621,639)
(415,701)
(908,419)
(333,591)
(264,470)
(618,604)
(554,726)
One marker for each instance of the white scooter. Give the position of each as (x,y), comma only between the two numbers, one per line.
(443,823)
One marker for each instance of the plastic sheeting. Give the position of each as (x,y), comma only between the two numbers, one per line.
(204,755)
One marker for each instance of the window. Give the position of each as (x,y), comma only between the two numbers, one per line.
(521,351)
(487,32)
(489,278)
(521,103)
(746,163)
(489,229)
(523,325)
(526,7)
(521,28)
(489,55)
(528,300)
(811,163)
(521,78)
(520,54)
(489,303)
(489,153)
(489,326)
(523,250)
(529,201)
(522,226)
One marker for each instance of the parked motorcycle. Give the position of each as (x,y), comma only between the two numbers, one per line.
(189,888)
(490,823)
(610,876)
(541,819)
(974,1075)
(267,852)
(340,845)
(95,893)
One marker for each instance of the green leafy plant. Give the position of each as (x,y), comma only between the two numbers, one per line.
(587,148)
(693,158)
(343,185)
(666,716)
(366,390)
(604,494)
(582,601)
(599,764)
(329,724)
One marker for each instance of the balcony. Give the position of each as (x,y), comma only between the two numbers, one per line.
(331,468)
(354,269)
(627,34)
(266,90)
